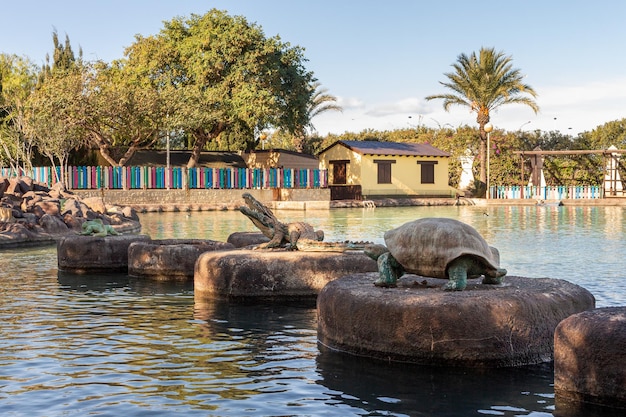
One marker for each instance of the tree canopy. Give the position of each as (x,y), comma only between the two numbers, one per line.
(221,73)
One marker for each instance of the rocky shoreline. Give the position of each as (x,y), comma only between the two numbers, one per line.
(34,214)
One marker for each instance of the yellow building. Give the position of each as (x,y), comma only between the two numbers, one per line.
(372,169)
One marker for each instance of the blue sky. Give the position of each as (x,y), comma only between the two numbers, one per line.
(381,58)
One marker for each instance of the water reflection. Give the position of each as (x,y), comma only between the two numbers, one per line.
(405,389)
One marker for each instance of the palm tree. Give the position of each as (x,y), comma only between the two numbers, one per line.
(320,102)
(483,83)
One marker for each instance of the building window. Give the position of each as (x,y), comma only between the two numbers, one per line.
(384,170)
(427,171)
(340,169)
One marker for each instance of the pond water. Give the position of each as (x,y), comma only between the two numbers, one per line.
(113,345)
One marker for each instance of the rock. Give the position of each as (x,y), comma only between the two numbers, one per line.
(484,326)
(53,225)
(96,204)
(22,234)
(590,358)
(130,213)
(169,259)
(50,207)
(90,254)
(52,212)
(72,222)
(71,206)
(4,185)
(272,274)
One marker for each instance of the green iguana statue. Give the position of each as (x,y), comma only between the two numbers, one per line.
(95,227)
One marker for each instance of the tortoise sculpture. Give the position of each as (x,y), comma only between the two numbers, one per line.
(437,248)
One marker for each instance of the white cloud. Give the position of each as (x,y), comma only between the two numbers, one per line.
(571,109)
(348,103)
(407,106)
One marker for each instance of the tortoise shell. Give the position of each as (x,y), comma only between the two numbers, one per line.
(427,246)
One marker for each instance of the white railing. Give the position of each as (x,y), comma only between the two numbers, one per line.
(556,192)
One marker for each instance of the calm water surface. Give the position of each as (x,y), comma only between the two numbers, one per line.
(113,345)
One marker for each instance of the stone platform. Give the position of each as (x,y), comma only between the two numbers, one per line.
(590,359)
(91,254)
(483,326)
(273,274)
(169,259)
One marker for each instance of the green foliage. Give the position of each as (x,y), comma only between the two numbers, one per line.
(18,77)
(222,76)
(483,83)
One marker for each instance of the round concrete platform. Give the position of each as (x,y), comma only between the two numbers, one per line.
(483,326)
(274,274)
(85,254)
(590,358)
(169,259)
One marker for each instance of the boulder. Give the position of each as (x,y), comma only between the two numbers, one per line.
(4,185)
(96,204)
(53,225)
(590,358)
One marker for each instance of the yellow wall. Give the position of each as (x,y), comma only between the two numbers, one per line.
(405,176)
(405,173)
(340,152)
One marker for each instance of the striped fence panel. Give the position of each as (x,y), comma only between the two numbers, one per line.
(144,177)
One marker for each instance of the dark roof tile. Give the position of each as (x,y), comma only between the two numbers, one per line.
(370,147)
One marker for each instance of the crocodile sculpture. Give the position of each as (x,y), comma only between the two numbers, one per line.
(280,234)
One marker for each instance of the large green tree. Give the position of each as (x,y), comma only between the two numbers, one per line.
(122,110)
(55,117)
(18,77)
(221,73)
(483,82)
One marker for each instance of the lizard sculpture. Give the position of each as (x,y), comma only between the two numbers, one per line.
(97,228)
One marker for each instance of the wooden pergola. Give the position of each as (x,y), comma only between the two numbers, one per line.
(536,158)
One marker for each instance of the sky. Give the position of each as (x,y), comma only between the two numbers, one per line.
(380,59)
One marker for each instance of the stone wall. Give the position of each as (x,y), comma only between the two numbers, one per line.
(206,199)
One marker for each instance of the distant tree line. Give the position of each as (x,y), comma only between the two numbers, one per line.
(505,166)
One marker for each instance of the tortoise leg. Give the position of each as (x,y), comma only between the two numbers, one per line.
(389,269)
(457,274)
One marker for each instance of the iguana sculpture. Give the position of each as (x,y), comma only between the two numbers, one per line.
(95,227)
(280,234)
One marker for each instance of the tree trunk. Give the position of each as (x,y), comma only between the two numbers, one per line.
(201,137)
(103,146)
(482,151)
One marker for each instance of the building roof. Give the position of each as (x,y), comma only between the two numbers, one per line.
(180,158)
(371,147)
(283,151)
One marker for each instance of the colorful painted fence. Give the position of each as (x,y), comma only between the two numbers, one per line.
(101,177)
(557,192)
